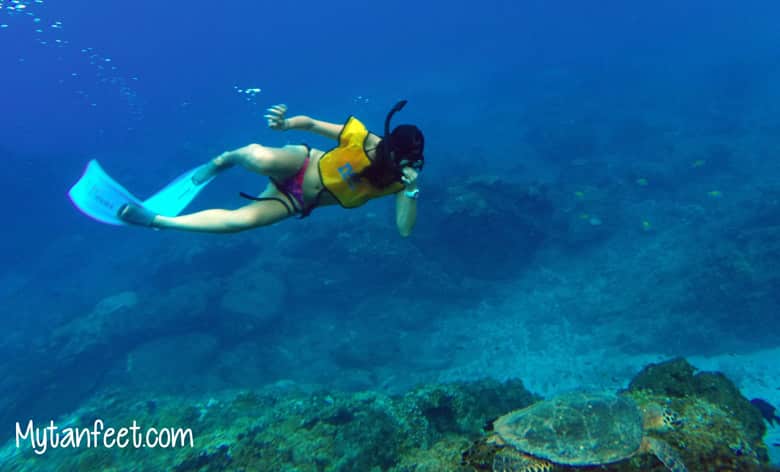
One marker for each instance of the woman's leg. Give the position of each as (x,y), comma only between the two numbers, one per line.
(278,163)
(253,215)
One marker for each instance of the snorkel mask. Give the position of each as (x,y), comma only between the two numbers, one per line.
(405,144)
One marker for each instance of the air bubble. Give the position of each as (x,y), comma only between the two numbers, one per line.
(249,94)
(97,71)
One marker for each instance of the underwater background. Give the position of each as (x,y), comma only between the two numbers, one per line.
(601,192)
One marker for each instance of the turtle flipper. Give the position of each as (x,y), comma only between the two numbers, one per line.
(511,460)
(665,453)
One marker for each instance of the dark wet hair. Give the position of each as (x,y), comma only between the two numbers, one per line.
(408,143)
(404,148)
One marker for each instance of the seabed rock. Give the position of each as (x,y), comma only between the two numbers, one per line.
(432,428)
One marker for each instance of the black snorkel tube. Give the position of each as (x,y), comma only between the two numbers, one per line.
(398,107)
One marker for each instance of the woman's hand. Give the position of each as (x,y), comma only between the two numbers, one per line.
(275,117)
(409,178)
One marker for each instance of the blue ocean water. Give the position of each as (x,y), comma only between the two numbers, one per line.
(601,191)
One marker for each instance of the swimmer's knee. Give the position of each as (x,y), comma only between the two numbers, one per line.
(255,149)
(257,152)
(258,157)
(271,161)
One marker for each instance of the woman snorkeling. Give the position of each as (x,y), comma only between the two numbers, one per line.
(361,167)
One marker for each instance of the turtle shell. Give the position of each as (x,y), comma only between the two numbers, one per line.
(577,429)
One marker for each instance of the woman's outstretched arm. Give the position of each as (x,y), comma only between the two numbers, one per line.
(276,120)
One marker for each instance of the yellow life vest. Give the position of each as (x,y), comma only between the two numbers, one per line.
(339,168)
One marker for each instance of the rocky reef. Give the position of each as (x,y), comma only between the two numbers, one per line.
(290,427)
(719,430)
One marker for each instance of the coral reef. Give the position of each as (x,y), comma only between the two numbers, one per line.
(285,427)
(719,430)
(289,427)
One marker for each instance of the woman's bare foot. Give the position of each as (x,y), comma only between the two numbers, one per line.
(136,215)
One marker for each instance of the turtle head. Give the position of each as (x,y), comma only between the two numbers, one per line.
(659,418)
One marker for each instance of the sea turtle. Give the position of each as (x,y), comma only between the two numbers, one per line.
(580,429)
